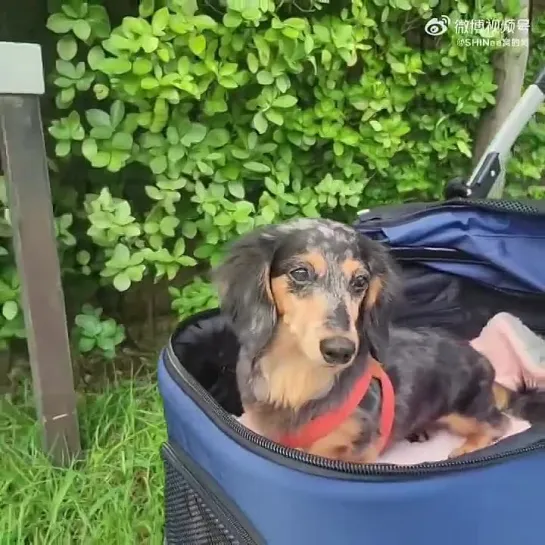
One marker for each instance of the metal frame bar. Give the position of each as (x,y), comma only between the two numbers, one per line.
(24,161)
(490,169)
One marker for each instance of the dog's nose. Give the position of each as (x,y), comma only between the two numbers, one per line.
(337,349)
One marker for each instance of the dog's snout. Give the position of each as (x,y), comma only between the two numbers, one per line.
(337,349)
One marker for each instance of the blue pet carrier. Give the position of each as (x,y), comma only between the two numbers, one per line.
(463,261)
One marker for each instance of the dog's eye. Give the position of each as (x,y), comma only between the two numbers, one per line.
(300,274)
(359,282)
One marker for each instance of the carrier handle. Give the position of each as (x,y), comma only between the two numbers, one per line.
(492,164)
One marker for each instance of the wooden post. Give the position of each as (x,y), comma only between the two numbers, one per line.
(29,196)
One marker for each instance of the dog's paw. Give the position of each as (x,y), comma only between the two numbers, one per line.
(460,451)
(466,448)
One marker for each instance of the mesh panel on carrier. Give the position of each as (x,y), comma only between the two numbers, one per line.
(193,516)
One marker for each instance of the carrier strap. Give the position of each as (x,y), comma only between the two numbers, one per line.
(323,425)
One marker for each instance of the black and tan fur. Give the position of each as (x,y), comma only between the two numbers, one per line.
(310,302)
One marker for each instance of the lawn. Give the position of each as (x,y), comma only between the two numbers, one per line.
(113,496)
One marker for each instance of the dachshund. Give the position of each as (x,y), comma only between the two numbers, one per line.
(311,303)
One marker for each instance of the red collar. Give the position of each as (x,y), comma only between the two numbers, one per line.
(324,424)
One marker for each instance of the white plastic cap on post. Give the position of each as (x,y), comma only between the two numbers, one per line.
(21,69)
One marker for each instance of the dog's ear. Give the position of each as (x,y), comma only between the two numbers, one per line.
(378,304)
(243,282)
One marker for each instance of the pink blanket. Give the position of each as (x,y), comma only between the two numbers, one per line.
(517,354)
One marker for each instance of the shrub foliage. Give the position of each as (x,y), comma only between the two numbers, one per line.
(188,124)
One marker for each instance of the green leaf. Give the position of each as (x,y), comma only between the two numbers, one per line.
(189,229)
(251,14)
(197,44)
(67,48)
(82,29)
(101,133)
(286,101)
(253,63)
(222,219)
(106,343)
(114,67)
(202,22)
(95,57)
(151,227)
(179,247)
(232,19)
(67,69)
(10,309)
(83,257)
(194,135)
(153,193)
(264,77)
(175,153)
(59,23)
(187,261)
(140,67)
(205,169)
(101,160)
(399,67)
(117,113)
(263,49)
(120,257)
(158,164)
(59,132)
(89,324)
(62,148)
(271,186)
(146,8)
(217,138)
(259,123)
(86,344)
(122,141)
(209,208)
(149,43)
(310,211)
(236,188)
(268,214)
(274,117)
(89,149)
(98,118)
(149,83)
(283,83)
(204,251)
(122,282)
(464,148)
(254,166)
(109,328)
(117,43)
(160,21)
(168,224)
(119,336)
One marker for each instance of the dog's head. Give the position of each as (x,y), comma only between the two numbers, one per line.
(321,282)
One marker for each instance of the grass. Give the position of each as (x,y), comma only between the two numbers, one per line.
(113,496)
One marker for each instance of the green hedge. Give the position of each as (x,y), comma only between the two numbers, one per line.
(187,125)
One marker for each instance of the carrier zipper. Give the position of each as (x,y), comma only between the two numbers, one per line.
(449,205)
(309,463)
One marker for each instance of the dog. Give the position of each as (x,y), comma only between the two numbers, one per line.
(311,303)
